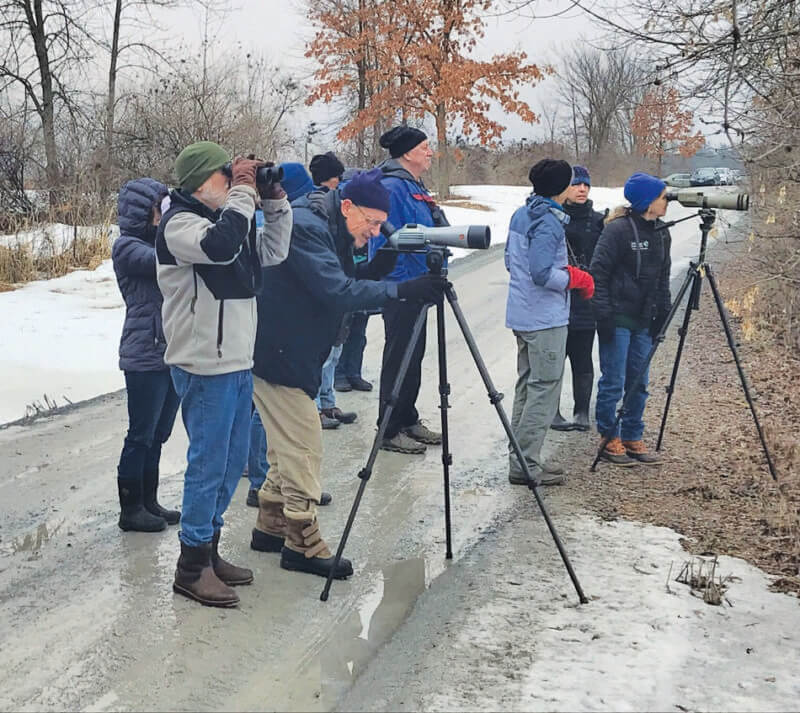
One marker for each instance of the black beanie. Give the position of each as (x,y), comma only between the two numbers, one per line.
(324,166)
(550,177)
(401,139)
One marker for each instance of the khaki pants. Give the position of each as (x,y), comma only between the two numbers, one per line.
(294,446)
(540,368)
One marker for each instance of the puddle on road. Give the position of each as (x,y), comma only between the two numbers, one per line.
(363,630)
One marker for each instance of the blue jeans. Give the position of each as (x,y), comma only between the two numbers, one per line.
(216,414)
(257,465)
(353,348)
(621,360)
(152,407)
(326,398)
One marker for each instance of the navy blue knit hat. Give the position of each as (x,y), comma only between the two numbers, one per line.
(366,190)
(580,174)
(641,189)
(296,181)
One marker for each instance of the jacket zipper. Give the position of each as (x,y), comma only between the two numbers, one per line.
(219,328)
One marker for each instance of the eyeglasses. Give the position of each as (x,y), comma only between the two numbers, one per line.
(371,222)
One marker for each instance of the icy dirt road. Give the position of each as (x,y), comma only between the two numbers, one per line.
(88,620)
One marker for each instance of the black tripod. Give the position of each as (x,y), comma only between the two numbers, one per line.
(435,259)
(692,284)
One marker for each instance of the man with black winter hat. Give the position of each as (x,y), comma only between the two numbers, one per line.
(538,312)
(316,285)
(326,170)
(410,203)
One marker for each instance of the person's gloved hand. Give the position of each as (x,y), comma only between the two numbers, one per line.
(658,323)
(383,263)
(428,288)
(244,171)
(605,329)
(581,281)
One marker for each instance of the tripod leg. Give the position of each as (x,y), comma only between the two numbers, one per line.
(366,472)
(684,330)
(742,377)
(631,389)
(444,405)
(494,398)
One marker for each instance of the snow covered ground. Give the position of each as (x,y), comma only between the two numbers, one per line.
(61,336)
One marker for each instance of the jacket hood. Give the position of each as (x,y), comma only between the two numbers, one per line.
(135,205)
(391,167)
(579,210)
(539,208)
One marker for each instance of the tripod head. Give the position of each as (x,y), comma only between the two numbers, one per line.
(436,260)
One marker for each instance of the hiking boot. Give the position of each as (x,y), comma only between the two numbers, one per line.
(638,450)
(195,578)
(551,468)
(540,477)
(580,421)
(252,498)
(401,443)
(150,499)
(133,516)
(305,551)
(270,530)
(228,573)
(359,384)
(325,499)
(342,383)
(615,453)
(339,415)
(327,422)
(420,432)
(560,423)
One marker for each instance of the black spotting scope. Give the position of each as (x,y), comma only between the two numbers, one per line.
(692,198)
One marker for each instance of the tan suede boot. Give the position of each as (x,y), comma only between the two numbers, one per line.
(270,530)
(305,551)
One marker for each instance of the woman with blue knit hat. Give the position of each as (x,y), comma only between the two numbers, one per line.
(582,231)
(631,267)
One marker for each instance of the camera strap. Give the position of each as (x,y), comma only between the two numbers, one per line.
(638,248)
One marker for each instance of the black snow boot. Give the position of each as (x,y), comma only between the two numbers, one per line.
(150,499)
(582,390)
(133,515)
(304,550)
(560,423)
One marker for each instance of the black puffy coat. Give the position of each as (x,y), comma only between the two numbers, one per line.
(582,231)
(631,266)
(142,344)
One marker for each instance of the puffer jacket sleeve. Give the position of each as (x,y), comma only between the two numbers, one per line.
(274,239)
(133,258)
(544,241)
(606,257)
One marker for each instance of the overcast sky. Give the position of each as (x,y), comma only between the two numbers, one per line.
(279,29)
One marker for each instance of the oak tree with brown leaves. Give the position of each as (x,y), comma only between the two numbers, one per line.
(408,59)
(659,124)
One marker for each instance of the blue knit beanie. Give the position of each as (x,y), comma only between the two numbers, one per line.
(366,190)
(580,174)
(641,189)
(296,181)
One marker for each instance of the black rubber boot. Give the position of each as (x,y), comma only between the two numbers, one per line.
(582,390)
(150,499)
(560,423)
(133,515)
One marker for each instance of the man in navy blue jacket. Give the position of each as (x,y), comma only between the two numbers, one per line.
(410,203)
(300,310)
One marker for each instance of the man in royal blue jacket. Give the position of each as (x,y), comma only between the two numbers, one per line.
(410,203)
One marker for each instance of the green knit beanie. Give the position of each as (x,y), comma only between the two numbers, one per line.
(197,162)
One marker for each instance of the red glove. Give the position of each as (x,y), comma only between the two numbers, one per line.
(581,281)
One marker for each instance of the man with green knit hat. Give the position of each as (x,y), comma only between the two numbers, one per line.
(209,271)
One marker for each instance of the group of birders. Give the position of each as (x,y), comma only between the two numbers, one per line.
(247,303)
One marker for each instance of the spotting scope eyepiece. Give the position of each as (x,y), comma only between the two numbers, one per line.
(694,198)
(416,237)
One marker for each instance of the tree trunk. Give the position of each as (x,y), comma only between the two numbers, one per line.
(444,159)
(111,100)
(361,66)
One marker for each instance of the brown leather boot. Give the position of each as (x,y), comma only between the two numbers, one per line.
(195,578)
(305,551)
(227,572)
(270,530)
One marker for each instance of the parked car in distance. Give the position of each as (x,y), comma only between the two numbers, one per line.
(678,180)
(706,177)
